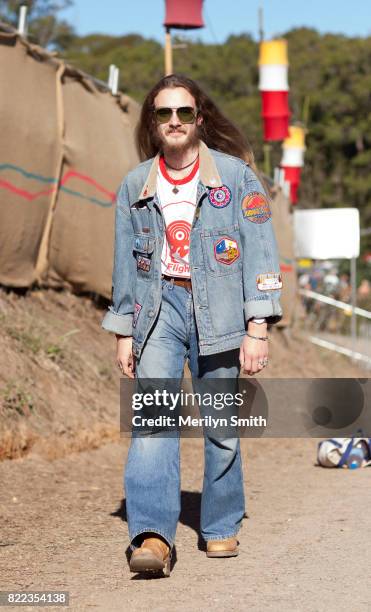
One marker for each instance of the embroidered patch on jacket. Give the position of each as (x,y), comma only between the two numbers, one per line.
(143,263)
(226,250)
(271,280)
(137,309)
(255,207)
(219,197)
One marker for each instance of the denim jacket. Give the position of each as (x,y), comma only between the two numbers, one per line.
(233,256)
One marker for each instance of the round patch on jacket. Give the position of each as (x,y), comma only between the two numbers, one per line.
(220,196)
(255,207)
(226,250)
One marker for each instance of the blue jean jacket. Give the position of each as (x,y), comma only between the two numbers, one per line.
(233,257)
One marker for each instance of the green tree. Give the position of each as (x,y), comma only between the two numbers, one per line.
(44,25)
(140,60)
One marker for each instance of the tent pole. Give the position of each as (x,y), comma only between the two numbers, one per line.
(168,53)
(22,20)
(266,145)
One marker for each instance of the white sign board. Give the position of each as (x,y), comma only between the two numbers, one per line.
(327,233)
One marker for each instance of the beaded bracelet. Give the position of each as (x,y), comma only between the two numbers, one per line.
(256,337)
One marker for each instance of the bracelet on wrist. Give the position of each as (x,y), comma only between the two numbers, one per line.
(257,337)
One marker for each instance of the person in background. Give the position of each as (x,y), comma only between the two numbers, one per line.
(364,289)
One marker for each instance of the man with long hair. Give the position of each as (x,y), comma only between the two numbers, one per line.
(196,276)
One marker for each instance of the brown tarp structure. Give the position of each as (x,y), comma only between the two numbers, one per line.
(28,144)
(66,145)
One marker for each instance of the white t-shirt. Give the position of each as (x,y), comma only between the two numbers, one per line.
(178,211)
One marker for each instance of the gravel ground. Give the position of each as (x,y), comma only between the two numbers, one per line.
(303,545)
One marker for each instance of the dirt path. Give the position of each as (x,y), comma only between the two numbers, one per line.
(303,547)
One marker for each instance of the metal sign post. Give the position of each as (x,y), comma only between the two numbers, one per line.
(353,283)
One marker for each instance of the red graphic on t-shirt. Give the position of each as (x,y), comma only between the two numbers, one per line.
(178,233)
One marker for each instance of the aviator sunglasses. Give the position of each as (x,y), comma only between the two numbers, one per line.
(185,114)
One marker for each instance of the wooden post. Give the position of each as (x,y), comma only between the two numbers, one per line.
(306,105)
(267,159)
(266,145)
(168,53)
(261,22)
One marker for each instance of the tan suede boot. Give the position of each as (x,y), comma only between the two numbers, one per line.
(222,548)
(152,556)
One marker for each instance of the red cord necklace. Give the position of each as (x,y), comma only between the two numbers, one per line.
(181,181)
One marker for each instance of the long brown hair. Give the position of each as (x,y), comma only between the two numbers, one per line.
(216,131)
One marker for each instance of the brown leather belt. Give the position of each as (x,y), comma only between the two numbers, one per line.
(182,282)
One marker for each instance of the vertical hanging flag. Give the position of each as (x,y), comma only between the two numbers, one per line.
(274,87)
(293,159)
(183,15)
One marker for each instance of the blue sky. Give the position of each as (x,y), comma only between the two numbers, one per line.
(223,17)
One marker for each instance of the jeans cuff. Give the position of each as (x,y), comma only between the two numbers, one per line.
(150,530)
(223,537)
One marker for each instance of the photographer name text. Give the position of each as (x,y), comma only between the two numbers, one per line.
(208,421)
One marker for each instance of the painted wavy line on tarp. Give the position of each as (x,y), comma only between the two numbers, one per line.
(30,196)
(37,177)
(286,264)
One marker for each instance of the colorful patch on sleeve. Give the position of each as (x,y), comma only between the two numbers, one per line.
(143,263)
(226,250)
(269,281)
(219,197)
(137,309)
(255,207)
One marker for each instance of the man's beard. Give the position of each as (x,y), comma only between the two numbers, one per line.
(162,143)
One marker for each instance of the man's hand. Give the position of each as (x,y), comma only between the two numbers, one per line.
(124,356)
(254,352)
